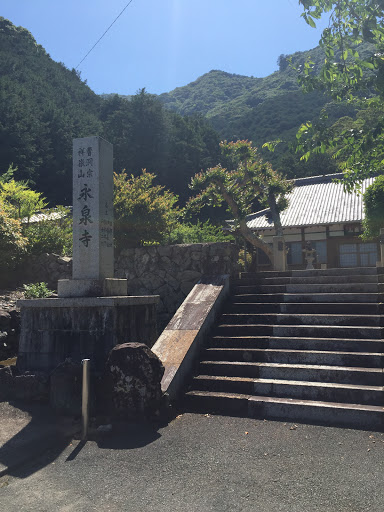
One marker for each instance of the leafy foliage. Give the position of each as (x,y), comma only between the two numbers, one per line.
(249,177)
(144,213)
(37,291)
(353,69)
(188,233)
(12,241)
(43,106)
(22,201)
(148,136)
(51,235)
(374,209)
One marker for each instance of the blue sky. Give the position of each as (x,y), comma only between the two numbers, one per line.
(163,44)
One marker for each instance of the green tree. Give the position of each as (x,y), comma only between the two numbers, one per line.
(248,179)
(353,70)
(43,106)
(23,202)
(374,209)
(52,234)
(12,241)
(144,212)
(145,135)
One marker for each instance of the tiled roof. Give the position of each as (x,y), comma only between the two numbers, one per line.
(316,200)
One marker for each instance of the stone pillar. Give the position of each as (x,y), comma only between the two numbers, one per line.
(93,312)
(92,209)
(279,254)
(93,252)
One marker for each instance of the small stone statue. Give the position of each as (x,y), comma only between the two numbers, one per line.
(309,255)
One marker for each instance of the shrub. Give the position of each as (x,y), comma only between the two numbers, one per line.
(50,235)
(12,242)
(22,201)
(196,233)
(374,209)
(144,212)
(37,291)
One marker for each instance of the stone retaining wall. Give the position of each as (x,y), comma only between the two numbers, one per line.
(172,271)
(169,271)
(45,267)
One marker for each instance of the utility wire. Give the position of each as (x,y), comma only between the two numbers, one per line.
(100,38)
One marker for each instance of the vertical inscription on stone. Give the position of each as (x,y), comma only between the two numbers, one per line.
(92,209)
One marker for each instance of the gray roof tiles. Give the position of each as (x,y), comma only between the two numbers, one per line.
(316,200)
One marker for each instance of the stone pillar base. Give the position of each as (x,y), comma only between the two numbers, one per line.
(108,287)
(53,330)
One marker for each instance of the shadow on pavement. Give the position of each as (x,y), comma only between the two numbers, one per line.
(32,436)
(128,436)
(27,432)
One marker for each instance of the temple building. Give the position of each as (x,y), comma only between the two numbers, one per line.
(320,211)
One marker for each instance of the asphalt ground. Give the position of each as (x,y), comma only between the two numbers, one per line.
(201,463)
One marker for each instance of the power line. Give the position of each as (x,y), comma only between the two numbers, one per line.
(100,38)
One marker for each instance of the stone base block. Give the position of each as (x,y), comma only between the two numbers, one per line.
(108,287)
(53,330)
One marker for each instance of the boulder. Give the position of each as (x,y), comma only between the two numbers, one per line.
(131,385)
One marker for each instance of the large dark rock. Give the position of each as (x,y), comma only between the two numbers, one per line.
(131,385)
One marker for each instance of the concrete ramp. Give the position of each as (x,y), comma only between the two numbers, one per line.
(179,344)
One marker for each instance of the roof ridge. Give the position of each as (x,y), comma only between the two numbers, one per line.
(323,178)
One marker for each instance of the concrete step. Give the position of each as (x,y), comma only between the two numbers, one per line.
(292,356)
(299,345)
(329,279)
(315,272)
(307,297)
(275,408)
(366,308)
(307,372)
(310,288)
(301,319)
(296,343)
(299,331)
(269,298)
(243,330)
(215,402)
(331,331)
(268,274)
(302,390)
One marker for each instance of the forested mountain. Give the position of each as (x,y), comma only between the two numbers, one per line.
(258,109)
(43,106)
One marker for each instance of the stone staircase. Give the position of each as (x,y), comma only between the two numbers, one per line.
(299,345)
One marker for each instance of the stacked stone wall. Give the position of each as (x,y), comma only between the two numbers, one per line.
(169,271)
(172,271)
(45,267)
